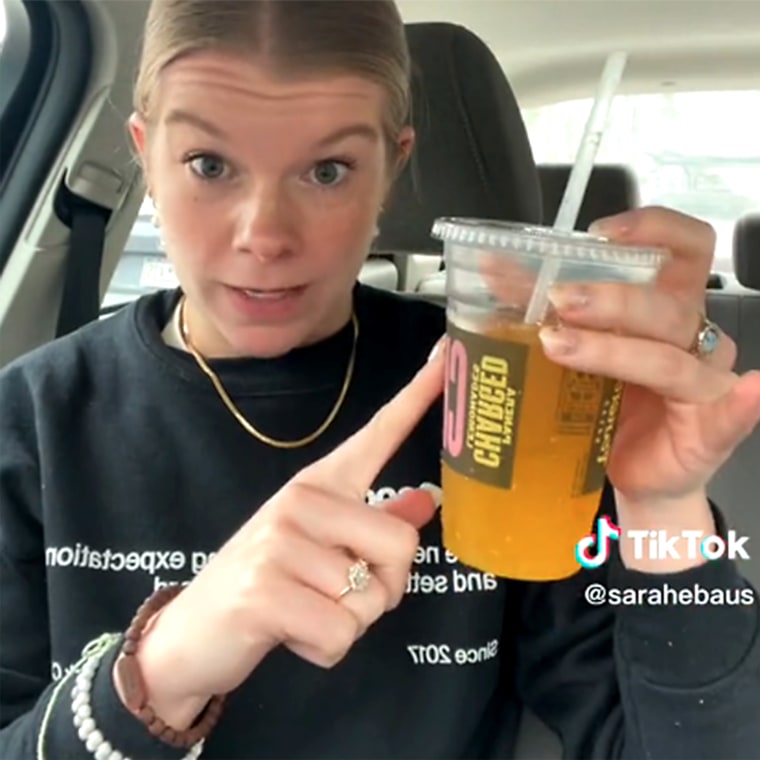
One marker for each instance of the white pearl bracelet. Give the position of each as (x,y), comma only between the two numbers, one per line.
(84,721)
(81,706)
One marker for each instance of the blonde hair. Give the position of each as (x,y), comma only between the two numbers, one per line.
(293,37)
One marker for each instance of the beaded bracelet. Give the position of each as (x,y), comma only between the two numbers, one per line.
(85,724)
(82,673)
(94,649)
(133,686)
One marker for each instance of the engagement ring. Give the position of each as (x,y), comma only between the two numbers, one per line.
(359,577)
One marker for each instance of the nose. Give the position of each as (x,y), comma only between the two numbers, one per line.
(265,224)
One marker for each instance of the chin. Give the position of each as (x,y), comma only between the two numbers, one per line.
(268,342)
(267,328)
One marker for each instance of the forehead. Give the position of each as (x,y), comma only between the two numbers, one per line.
(230,87)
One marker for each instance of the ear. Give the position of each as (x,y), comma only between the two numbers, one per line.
(404,146)
(405,143)
(138,133)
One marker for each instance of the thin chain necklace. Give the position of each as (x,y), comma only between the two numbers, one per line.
(238,415)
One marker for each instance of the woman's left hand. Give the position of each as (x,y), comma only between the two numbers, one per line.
(682,415)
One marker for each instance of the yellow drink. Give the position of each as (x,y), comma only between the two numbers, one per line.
(525,447)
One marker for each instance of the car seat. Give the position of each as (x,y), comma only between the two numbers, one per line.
(472,157)
(611,189)
(737,311)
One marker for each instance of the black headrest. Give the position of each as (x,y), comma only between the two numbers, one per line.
(747,251)
(612,188)
(472,157)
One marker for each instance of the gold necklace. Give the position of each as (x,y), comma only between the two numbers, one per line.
(237,414)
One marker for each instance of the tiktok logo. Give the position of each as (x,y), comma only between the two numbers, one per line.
(594,550)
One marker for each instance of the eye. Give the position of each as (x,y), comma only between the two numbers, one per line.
(330,173)
(208,166)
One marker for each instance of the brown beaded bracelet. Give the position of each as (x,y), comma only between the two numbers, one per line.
(133,685)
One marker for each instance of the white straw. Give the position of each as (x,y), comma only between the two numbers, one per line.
(578,180)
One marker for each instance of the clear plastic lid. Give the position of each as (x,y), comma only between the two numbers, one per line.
(543,242)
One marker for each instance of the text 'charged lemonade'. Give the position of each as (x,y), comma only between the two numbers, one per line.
(525,447)
(525,440)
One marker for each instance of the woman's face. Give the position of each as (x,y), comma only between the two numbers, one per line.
(268,194)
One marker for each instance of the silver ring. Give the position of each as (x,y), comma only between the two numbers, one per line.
(707,339)
(359,576)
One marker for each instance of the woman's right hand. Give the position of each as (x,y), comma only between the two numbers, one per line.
(279,579)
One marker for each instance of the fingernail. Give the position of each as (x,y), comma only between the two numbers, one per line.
(557,340)
(569,296)
(612,226)
(437,349)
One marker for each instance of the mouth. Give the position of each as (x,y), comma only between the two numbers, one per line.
(270,294)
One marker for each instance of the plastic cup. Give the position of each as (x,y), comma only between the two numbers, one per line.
(525,441)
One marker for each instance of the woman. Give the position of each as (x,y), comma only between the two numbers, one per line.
(231,442)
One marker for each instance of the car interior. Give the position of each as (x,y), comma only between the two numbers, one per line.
(501,91)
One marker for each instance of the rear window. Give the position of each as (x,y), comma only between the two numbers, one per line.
(697,152)
(143,267)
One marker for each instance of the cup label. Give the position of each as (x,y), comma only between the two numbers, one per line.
(484,397)
(483,394)
(607,397)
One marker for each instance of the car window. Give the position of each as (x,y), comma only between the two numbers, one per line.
(697,152)
(45,56)
(143,267)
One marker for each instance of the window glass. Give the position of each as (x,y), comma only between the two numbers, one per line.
(143,267)
(698,152)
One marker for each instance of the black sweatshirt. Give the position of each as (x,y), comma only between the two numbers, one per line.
(121,470)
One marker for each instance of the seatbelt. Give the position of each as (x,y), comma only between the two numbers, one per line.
(80,303)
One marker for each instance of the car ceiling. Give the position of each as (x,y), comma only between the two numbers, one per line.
(554,50)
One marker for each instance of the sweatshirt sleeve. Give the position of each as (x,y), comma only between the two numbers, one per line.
(26,689)
(654,671)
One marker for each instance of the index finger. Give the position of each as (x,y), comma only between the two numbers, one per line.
(353,466)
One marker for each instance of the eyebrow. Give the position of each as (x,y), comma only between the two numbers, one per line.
(367,131)
(178,116)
